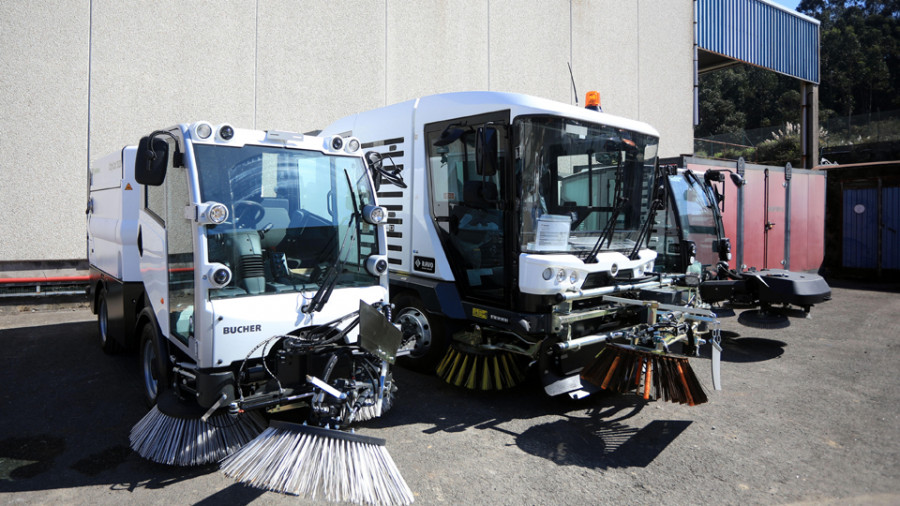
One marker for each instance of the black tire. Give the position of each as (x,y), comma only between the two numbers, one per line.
(153,364)
(108,343)
(424,333)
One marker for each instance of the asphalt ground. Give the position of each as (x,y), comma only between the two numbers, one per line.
(808,414)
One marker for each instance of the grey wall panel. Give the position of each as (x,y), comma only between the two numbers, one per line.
(318,63)
(43,129)
(666,74)
(83,78)
(530,46)
(605,53)
(154,65)
(436,47)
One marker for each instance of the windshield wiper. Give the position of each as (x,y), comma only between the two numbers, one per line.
(330,278)
(610,227)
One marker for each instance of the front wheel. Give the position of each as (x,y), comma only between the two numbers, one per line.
(154,369)
(424,334)
(107,343)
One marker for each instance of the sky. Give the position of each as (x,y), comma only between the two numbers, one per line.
(790,4)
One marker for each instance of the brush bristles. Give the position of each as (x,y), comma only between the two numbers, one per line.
(480,372)
(297,462)
(190,441)
(621,369)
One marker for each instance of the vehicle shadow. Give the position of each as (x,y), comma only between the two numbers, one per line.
(67,411)
(590,433)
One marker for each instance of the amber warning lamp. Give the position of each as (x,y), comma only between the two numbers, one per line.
(592,101)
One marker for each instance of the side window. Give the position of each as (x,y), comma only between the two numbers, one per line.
(155,201)
(180,255)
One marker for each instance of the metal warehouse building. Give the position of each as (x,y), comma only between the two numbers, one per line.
(81,79)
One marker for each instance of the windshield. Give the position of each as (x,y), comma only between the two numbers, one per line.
(577,179)
(291,217)
(696,215)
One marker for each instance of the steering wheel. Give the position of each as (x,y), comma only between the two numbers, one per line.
(247,213)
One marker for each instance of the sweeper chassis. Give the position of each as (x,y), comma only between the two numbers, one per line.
(564,343)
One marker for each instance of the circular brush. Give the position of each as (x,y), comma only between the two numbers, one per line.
(494,370)
(171,440)
(621,368)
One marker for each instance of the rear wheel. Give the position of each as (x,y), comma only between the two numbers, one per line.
(154,368)
(107,343)
(424,334)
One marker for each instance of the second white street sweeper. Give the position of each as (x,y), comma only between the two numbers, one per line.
(517,237)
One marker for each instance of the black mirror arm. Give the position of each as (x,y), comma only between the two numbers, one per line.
(177,156)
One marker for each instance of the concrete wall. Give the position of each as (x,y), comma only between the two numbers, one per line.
(83,78)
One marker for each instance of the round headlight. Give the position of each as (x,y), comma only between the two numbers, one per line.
(218,213)
(374,214)
(376,265)
(353,145)
(221,277)
(613,270)
(573,277)
(547,274)
(560,275)
(337,143)
(226,133)
(204,130)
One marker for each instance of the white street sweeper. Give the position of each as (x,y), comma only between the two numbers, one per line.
(249,270)
(516,236)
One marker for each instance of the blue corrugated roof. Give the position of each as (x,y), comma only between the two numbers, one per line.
(760,33)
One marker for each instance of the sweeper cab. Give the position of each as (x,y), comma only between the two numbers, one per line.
(249,270)
(511,221)
(689,238)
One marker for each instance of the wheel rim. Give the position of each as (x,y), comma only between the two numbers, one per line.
(416,331)
(103,319)
(149,369)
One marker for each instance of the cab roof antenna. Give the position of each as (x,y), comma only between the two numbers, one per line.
(574,90)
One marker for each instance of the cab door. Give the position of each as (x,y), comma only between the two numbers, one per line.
(467,161)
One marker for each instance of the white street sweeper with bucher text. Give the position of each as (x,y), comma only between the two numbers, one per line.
(249,270)
(517,238)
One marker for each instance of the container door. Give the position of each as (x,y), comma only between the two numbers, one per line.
(860,224)
(890,229)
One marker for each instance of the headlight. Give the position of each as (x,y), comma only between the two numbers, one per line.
(218,213)
(560,275)
(226,132)
(337,143)
(211,213)
(613,270)
(204,130)
(353,145)
(219,275)
(573,277)
(548,274)
(376,265)
(374,214)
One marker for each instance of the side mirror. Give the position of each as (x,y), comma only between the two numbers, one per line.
(688,251)
(723,248)
(151,161)
(486,151)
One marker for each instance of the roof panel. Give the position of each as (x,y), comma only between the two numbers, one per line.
(760,33)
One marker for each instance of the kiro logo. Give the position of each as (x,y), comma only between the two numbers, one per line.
(424,264)
(242,329)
